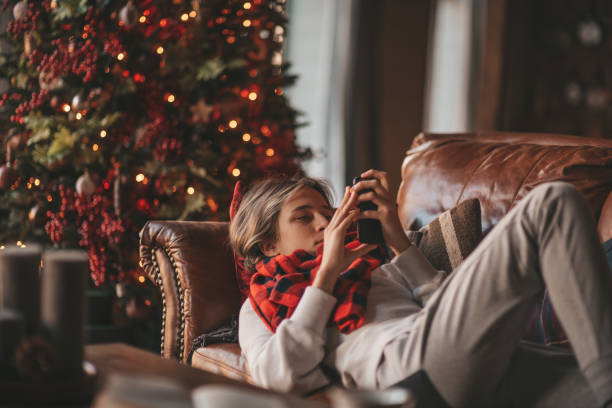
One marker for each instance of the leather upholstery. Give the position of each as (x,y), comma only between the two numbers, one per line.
(499,169)
(193,264)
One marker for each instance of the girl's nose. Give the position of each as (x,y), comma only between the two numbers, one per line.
(321,222)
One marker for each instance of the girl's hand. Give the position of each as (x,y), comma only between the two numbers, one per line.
(336,257)
(387,208)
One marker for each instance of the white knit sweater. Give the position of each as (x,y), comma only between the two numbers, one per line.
(291,359)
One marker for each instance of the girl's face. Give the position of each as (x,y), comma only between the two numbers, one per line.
(301,222)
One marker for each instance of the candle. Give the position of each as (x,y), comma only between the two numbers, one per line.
(11,333)
(63,286)
(19,283)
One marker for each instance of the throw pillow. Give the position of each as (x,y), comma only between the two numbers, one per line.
(451,237)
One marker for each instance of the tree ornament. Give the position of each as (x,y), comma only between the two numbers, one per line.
(201,111)
(85,185)
(20,10)
(128,15)
(36,215)
(78,102)
(8,174)
(27,44)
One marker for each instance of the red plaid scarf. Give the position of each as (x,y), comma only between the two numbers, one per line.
(279,283)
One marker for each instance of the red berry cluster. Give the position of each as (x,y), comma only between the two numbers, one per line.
(98,227)
(70,57)
(28,23)
(35,102)
(10,97)
(112,45)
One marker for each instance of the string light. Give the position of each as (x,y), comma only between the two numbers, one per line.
(19,243)
(253,96)
(160,50)
(103,133)
(79,115)
(246,23)
(184,17)
(141,279)
(190,190)
(236,172)
(163,22)
(142,19)
(140,177)
(49,198)
(270,152)
(170,98)
(233,124)
(95,147)
(37,182)
(246,137)
(247,5)
(193,14)
(66,108)
(120,56)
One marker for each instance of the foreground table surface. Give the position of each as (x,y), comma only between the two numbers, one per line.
(118,358)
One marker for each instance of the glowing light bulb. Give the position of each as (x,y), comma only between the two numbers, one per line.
(141,279)
(142,19)
(247,5)
(246,137)
(233,124)
(246,23)
(190,190)
(37,182)
(95,147)
(184,17)
(193,14)
(49,198)
(170,98)
(120,56)
(66,108)
(19,243)
(140,177)
(236,172)
(253,96)
(78,115)
(103,133)
(160,50)
(270,152)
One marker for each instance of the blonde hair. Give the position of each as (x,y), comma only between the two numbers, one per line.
(256,220)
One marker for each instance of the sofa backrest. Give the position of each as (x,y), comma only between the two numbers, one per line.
(498,168)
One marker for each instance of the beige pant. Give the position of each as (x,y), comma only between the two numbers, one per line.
(469,331)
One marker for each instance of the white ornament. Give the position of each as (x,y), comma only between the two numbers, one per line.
(128,14)
(20,10)
(85,185)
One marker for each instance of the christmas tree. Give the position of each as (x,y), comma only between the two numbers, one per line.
(115,112)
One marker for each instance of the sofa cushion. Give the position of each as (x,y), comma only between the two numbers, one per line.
(224,359)
(450,238)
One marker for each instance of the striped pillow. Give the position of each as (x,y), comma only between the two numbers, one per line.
(449,239)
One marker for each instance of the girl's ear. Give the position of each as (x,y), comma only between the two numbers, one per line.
(269,249)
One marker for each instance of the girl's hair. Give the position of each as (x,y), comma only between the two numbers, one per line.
(256,220)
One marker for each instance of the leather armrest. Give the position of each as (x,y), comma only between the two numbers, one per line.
(193,265)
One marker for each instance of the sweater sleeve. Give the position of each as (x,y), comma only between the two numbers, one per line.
(417,273)
(288,360)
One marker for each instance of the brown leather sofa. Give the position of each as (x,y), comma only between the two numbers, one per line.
(193,265)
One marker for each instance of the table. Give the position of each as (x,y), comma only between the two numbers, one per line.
(122,359)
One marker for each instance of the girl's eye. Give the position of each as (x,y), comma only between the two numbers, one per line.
(304,218)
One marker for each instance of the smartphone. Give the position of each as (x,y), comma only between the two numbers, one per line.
(369,230)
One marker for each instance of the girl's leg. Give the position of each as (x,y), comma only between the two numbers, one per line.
(471,326)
